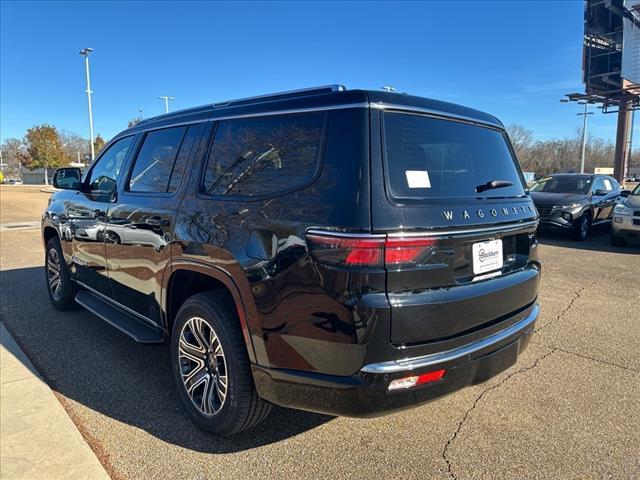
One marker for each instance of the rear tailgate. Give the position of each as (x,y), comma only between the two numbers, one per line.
(429,172)
(441,298)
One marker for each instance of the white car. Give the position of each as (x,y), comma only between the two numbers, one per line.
(625,225)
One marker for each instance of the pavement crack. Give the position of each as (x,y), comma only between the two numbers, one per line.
(587,357)
(576,295)
(465,417)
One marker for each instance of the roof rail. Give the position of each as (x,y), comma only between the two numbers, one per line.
(288,94)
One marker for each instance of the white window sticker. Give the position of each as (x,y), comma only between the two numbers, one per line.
(607,184)
(418,178)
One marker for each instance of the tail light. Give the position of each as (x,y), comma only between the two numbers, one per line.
(369,250)
(406,251)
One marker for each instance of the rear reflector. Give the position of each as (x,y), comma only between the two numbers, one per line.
(369,250)
(413,381)
(403,251)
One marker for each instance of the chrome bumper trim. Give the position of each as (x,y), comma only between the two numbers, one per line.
(408,364)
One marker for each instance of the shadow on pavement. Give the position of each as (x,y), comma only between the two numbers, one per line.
(598,240)
(90,362)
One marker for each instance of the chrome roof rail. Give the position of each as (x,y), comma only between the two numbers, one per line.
(288,94)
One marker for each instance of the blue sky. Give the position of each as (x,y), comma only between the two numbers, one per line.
(512,59)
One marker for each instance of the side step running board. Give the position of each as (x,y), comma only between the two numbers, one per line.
(123,321)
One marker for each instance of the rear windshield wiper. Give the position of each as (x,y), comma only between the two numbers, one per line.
(493,184)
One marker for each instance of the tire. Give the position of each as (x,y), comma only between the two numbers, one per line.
(112,237)
(59,285)
(582,227)
(216,390)
(617,241)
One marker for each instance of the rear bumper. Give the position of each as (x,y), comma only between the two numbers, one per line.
(366,394)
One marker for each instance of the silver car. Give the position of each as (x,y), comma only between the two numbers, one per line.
(625,225)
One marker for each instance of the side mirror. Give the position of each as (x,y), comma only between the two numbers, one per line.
(600,193)
(625,193)
(67,178)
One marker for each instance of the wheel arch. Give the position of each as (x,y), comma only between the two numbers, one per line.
(186,278)
(590,210)
(48,232)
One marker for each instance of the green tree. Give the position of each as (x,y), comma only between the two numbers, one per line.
(98,144)
(44,149)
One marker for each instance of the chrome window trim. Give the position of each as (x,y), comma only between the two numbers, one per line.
(162,126)
(408,364)
(379,106)
(251,115)
(291,111)
(435,113)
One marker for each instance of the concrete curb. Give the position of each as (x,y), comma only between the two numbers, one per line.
(38,440)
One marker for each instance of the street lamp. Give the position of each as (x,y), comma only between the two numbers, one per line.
(85,53)
(166,102)
(584,129)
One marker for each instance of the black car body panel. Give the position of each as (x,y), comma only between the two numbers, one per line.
(315,332)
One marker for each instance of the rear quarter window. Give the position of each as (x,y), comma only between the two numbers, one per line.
(261,156)
(432,158)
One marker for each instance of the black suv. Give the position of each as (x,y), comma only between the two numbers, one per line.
(341,251)
(574,202)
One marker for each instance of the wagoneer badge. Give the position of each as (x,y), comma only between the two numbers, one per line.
(504,212)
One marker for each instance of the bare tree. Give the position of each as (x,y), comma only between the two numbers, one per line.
(133,122)
(75,147)
(12,149)
(520,137)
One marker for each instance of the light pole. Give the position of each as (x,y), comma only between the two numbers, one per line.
(584,130)
(166,102)
(628,162)
(85,53)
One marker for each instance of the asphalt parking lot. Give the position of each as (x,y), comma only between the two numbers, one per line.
(570,408)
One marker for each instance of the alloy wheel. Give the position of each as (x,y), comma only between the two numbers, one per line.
(53,274)
(202,365)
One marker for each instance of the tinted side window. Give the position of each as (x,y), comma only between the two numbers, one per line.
(154,163)
(597,185)
(615,183)
(607,184)
(183,155)
(264,155)
(103,177)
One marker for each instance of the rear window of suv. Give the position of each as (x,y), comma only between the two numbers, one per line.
(432,158)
